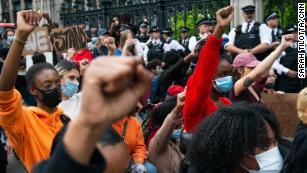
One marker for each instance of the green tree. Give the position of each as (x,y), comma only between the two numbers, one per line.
(286,9)
(198,12)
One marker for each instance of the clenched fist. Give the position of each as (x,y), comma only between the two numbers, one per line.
(112,88)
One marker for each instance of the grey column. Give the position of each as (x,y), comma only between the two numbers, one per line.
(238,4)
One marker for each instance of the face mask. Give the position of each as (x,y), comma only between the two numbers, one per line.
(22,73)
(269,85)
(176,134)
(224,84)
(158,72)
(52,97)
(94,39)
(70,88)
(10,38)
(269,162)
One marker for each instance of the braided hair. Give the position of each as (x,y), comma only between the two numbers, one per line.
(157,116)
(225,137)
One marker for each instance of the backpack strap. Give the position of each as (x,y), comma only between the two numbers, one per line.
(65,119)
(125,129)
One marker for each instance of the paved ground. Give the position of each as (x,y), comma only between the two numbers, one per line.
(14,165)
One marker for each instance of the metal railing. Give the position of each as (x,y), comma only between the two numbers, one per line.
(163,13)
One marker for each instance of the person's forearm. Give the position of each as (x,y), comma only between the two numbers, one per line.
(268,61)
(218,31)
(80,140)
(275,44)
(10,67)
(201,80)
(233,49)
(170,74)
(260,48)
(188,58)
(160,141)
(125,52)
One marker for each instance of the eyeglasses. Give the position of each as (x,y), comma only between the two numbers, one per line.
(49,87)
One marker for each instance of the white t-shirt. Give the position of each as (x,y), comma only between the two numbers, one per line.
(71,106)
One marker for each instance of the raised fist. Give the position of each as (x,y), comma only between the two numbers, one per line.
(28,20)
(224,16)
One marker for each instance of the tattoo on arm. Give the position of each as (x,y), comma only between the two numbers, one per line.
(248,82)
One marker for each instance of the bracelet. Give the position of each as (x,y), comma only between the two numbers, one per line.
(18,40)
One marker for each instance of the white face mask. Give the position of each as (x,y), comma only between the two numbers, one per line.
(270,161)
(22,73)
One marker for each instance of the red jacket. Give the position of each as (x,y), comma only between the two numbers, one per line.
(198,103)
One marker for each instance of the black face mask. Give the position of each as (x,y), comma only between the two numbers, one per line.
(269,85)
(52,97)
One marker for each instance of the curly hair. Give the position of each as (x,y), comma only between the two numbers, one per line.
(269,116)
(170,58)
(225,137)
(157,116)
(152,65)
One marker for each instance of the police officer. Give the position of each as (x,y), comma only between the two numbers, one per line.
(184,38)
(204,32)
(173,44)
(155,45)
(143,37)
(212,25)
(250,36)
(272,21)
(286,67)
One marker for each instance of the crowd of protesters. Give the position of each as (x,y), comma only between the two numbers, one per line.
(138,101)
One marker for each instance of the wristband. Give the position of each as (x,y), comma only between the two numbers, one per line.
(18,40)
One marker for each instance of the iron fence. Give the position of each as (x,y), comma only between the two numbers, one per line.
(163,13)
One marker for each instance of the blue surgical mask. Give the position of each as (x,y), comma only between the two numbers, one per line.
(70,88)
(10,38)
(176,134)
(223,84)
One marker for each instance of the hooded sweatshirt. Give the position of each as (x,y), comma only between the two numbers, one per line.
(29,129)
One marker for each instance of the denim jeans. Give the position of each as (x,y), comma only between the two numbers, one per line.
(149,167)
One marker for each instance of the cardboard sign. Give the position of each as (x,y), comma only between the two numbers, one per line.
(69,37)
(29,61)
(284,107)
(38,41)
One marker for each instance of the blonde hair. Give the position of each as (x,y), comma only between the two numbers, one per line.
(98,42)
(302,105)
(123,38)
(63,67)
